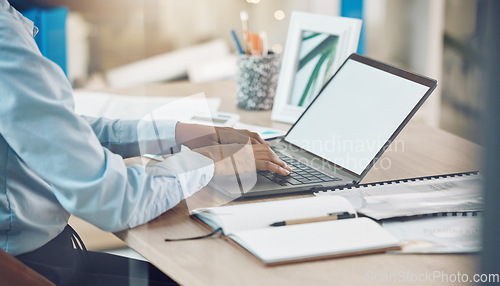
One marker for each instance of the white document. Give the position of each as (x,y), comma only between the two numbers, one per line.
(415,197)
(449,234)
(97,104)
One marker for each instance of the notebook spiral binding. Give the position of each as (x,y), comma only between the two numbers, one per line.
(357,186)
(440,214)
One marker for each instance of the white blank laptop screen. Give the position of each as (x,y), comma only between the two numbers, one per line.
(355,114)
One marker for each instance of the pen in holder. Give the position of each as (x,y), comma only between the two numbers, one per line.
(256,81)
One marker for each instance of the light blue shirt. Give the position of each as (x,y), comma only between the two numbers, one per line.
(54,163)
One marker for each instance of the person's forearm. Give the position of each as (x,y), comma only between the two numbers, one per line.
(130,138)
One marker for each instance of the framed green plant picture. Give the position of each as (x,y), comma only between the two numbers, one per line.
(315,48)
(315,66)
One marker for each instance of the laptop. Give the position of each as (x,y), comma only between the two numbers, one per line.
(345,129)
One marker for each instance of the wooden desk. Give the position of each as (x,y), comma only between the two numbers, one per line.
(418,151)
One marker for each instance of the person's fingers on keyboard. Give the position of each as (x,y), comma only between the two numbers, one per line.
(271,167)
(280,162)
(266,159)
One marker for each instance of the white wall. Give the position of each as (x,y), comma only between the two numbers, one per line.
(409,34)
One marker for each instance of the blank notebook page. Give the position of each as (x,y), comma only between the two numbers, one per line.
(261,215)
(301,241)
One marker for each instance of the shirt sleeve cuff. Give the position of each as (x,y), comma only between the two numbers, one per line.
(193,171)
(157,137)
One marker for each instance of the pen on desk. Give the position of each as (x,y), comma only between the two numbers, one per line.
(331,216)
(238,46)
(244,26)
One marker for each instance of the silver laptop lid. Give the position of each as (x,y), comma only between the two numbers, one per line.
(358,113)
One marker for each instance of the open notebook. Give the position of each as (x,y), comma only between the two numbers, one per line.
(248,227)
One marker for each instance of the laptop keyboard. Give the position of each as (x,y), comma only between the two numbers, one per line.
(300,175)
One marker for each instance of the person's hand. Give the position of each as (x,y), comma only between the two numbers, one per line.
(244,158)
(196,135)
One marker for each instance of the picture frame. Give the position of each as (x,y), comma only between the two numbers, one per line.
(316,46)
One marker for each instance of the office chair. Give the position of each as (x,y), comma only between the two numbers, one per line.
(14,272)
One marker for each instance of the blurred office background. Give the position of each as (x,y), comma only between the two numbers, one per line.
(437,38)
